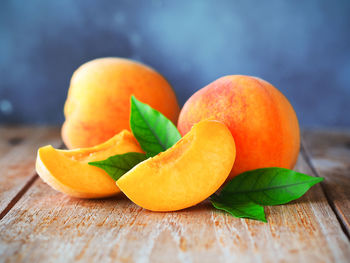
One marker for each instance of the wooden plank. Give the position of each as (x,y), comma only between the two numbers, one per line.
(18,146)
(46,226)
(329,154)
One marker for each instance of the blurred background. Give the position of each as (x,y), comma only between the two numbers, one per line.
(302,47)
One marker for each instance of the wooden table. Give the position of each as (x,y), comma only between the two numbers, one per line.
(38,224)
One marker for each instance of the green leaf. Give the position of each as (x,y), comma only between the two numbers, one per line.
(153,130)
(268,186)
(241,209)
(118,165)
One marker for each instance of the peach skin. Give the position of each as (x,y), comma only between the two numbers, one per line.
(98,101)
(261,120)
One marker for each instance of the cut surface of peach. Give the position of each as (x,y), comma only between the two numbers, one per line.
(68,171)
(185,174)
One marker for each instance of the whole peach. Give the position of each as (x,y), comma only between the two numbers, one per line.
(98,102)
(262,121)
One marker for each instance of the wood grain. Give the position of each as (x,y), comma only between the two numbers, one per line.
(18,146)
(329,154)
(46,226)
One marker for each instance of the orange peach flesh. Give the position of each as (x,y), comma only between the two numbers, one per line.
(186,174)
(68,171)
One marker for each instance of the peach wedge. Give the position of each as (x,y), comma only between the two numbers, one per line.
(185,174)
(68,171)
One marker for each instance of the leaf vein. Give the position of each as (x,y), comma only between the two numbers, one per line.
(270,188)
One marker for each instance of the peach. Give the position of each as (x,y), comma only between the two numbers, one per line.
(98,101)
(261,120)
(69,171)
(185,174)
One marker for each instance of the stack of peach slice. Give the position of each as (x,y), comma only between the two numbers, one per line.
(180,177)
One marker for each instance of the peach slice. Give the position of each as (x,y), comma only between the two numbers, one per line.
(187,173)
(68,171)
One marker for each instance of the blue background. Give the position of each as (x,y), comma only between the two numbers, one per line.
(302,47)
